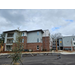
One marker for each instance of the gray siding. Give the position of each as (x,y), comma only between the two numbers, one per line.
(67,41)
(32,37)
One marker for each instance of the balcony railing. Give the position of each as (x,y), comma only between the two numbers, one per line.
(8,49)
(9,42)
(10,35)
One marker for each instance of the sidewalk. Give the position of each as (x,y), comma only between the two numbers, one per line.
(61,52)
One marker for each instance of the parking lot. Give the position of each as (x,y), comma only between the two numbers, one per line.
(41,59)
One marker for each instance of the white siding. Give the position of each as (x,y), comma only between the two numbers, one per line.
(5,38)
(46,33)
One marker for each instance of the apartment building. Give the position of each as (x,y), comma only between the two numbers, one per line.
(69,43)
(64,43)
(35,40)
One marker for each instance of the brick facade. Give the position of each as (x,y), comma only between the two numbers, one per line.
(46,43)
(33,46)
(69,47)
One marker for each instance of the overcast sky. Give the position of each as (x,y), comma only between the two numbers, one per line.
(56,20)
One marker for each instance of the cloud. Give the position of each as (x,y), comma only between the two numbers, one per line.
(56,20)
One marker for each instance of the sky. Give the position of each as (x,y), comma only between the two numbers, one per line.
(55,20)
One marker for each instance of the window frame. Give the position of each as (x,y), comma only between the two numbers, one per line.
(22,33)
(37,47)
(74,43)
(38,40)
(37,32)
(22,40)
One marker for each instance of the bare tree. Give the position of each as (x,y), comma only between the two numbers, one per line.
(17,49)
(56,35)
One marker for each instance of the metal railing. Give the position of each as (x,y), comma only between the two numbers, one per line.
(9,42)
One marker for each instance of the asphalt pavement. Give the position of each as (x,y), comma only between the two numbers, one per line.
(42,59)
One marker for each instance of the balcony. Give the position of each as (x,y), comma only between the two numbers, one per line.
(8,48)
(9,43)
(10,35)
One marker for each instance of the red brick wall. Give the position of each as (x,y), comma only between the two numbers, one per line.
(69,47)
(46,43)
(33,46)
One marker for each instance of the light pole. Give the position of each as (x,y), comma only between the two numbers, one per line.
(71,45)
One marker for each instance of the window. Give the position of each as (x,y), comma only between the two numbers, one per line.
(22,40)
(23,34)
(73,39)
(37,39)
(74,43)
(74,48)
(60,41)
(37,33)
(37,47)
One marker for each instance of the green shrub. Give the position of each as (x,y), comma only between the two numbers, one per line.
(32,50)
(42,49)
(51,49)
(45,50)
(28,50)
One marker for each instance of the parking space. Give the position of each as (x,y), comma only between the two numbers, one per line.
(42,59)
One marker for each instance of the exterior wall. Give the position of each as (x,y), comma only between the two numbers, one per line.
(33,46)
(46,43)
(5,40)
(25,33)
(73,49)
(46,33)
(15,34)
(32,37)
(67,41)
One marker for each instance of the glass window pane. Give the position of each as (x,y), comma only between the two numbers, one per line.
(23,34)
(37,39)
(37,33)
(74,43)
(22,40)
(37,47)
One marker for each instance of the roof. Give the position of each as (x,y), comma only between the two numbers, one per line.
(10,31)
(68,36)
(24,31)
(36,31)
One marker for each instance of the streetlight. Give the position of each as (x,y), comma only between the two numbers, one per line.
(71,45)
